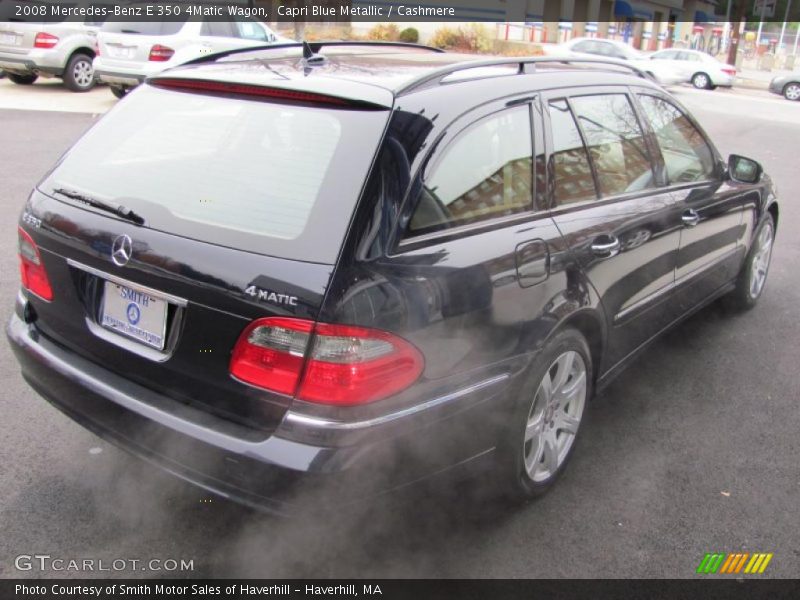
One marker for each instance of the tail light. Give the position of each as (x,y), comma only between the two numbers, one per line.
(729,71)
(31,269)
(44,40)
(343,366)
(159,53)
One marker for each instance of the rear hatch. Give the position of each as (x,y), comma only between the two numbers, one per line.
(245,203)
(18,37)
(126,44)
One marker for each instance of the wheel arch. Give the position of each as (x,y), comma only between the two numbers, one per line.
(81,50)
(591,326)
(772,209)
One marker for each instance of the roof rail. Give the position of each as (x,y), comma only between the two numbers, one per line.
(315,48)
(524,66)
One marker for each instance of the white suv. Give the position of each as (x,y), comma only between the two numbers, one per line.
(29,50)
(128,53)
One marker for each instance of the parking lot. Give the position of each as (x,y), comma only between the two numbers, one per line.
(693,449)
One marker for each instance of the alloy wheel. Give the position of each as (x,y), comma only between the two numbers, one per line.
(792,91)
(761,258)
(83,73)
(555,416)
(700,81)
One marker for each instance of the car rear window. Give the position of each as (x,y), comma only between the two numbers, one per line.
(274,178)
(144,28)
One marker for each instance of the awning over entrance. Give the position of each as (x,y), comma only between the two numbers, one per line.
(628,10)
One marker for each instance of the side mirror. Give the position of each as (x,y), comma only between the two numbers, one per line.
(743,169)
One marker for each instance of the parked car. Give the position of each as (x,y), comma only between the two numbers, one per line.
(664,73)
(130,52)
(29,50)
(353,267)
(786,85)
(708,73)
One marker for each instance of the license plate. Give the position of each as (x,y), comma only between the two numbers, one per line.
(123,52)
(9,39)
(134,314)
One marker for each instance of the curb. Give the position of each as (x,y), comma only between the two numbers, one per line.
(751,84)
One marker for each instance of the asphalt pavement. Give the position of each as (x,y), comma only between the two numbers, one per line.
(693,449)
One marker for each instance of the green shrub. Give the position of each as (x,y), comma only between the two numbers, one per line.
(409,35)
(384,33)
(473,37)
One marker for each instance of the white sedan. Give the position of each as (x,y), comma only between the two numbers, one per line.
(707,72)
(664,73)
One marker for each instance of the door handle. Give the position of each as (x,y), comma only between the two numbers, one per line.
(690,218)
(606,246)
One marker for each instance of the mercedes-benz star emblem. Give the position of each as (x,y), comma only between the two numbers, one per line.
(122,250)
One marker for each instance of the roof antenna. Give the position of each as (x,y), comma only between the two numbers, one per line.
(311,58)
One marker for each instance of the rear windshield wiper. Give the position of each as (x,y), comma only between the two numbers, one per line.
(117,209)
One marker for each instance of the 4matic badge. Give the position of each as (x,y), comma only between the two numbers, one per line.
(270,296)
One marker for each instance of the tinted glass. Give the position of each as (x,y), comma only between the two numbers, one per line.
(219,29)
(687,156)
(148,28)
(250,30)
(486,172)
(588,46)
(277,179)
(570,171)
(616,143)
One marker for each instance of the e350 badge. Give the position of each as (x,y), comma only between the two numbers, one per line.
(270,296)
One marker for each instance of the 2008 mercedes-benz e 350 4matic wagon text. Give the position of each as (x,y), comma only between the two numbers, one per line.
(360,265)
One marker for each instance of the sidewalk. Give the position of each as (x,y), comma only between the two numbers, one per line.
(750,76)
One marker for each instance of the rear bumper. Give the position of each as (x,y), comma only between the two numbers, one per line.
(27,66)
(127,73)
(114,78)
(272,473)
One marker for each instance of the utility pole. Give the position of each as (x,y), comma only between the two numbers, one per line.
(741,12)
(783,27)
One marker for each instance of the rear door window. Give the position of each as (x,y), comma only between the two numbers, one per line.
(486,172)
(224,29)
(278,179)
(569,168)
(615,142)
(250,30)
(144,28)
(687,156)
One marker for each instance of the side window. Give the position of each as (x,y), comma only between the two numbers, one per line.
(570,172)
(615,142)
(250,30)
(586,46)
(485,172)
(687,156)
(218,29)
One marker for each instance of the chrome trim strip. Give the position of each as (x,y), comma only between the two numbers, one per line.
(675,283)
(120,281)
(331,425)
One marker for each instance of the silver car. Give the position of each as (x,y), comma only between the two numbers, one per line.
(707,72)
(128,53)
(663,73)
(29,50)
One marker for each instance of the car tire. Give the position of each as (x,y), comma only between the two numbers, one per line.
(22,79)
(119,91)
(701,81)
(792,91)
(549,408)
(753,275)
(79,74)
